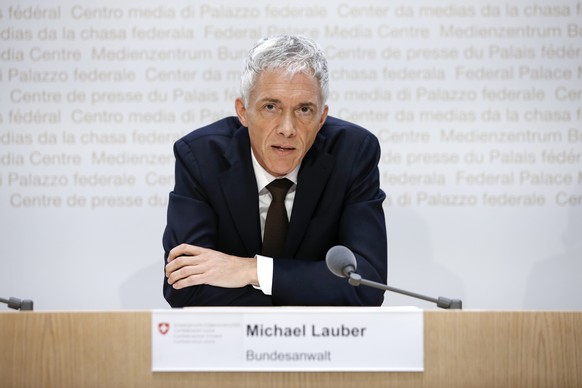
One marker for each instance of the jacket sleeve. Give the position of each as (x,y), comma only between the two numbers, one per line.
(192,220)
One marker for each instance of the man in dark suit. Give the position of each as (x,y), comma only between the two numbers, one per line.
(216,212)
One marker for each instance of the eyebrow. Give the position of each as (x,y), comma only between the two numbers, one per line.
(309,104)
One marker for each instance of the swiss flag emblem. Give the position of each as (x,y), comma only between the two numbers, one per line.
(163,327)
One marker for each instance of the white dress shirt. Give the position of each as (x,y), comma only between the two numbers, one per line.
(265,264)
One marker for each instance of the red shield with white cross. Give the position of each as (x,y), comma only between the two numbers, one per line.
(163,327)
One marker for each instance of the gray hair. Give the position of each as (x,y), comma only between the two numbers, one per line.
(295,54)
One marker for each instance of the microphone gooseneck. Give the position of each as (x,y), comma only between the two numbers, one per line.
(342,262)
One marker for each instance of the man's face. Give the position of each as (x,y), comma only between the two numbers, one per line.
(283,117)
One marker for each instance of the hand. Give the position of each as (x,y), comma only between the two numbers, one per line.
(190,265)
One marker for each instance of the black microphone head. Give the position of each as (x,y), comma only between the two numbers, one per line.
(341,261)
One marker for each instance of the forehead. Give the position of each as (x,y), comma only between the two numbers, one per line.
(279,84)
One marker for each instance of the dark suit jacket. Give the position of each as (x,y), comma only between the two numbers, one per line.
(338,202)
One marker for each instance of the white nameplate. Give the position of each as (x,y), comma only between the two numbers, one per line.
(288,339)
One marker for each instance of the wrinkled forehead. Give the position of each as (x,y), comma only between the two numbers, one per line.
(284,82)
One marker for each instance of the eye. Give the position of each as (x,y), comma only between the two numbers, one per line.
(270,107)
(305,110)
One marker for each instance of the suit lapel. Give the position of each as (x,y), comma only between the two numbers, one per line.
(313,176)
(239,186)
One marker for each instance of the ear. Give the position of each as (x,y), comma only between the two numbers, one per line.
(241,111)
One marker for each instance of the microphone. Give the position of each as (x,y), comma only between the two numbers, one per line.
(17,304)
(342,262)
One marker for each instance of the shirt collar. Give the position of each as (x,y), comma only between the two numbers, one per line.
(264,178)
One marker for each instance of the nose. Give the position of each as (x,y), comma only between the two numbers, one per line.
(287,126)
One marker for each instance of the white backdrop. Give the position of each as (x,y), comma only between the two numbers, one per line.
(477,105)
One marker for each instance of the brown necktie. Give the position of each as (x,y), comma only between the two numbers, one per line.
(277,222)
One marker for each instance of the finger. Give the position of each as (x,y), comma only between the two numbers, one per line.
(181,273)
(192,280)
(186,277)
(184,250)
(177,251)
(181,262)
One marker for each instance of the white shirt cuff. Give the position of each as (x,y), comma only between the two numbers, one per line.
(265,274)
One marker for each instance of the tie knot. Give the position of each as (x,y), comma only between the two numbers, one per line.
(279,188)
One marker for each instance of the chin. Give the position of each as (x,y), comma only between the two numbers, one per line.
(280,172)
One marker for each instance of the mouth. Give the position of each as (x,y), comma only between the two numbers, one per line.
(281,148)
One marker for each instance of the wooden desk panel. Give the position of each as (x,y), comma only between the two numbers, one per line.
(462,349)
